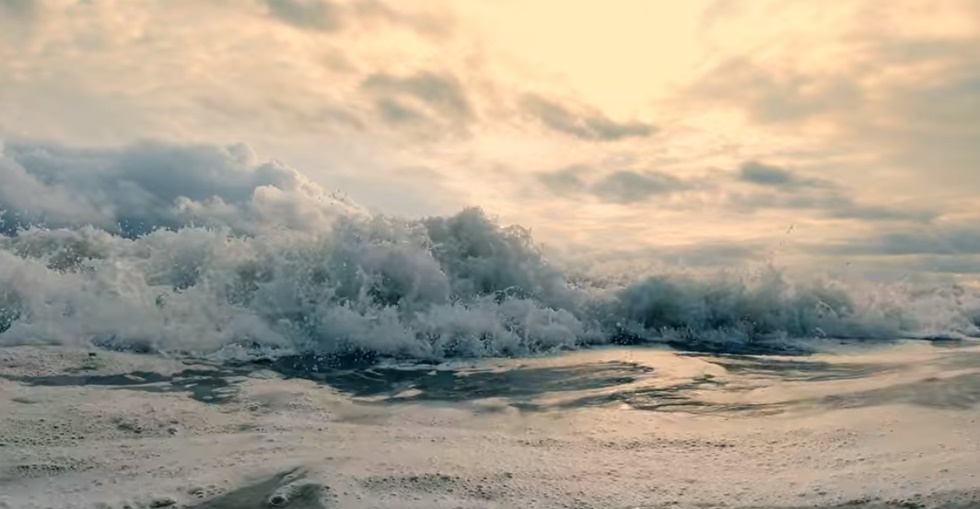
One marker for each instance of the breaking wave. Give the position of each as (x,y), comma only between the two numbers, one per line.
(206,250)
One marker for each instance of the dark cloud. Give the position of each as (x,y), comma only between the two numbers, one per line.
(773,96)
(19,8)
(143,186)
(791,191)
(18,19)
(910,101)
(331,16)
(933,125)
(833,204)
(624,186)
(752,202)
(932,241)
(773,188)
(566,180)
(321,15)
(851,210)
(424,23)
(919,120)
(441,93)
(585,124)
(632,187)
(755,172)
(394,112)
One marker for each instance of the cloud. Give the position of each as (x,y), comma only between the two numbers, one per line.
(134,189)
(632,187)
(717,11)
(777,95)
(932,124)
(851,210)
(321,15)
(267,71)
(23,9)
(755,187)
(956,240)
(756,172)
(428,23)
(897,87)
(330,16)
(948,248)
(18,21)
(566,180)
(586,124)
(622,187)
(26,198)
(755,201)
(834,204)
(789,190)
(396,113)
(401,99)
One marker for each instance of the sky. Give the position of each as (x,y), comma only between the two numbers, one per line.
(836,136)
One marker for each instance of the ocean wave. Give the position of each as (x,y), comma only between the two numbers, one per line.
(206,250)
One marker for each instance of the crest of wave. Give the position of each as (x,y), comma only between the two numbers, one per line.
(443,287)
(277,265)
(457,286)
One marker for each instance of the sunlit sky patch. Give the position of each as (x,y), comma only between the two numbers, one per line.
(702,132)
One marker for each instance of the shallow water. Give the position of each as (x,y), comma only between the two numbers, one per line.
(857,426)
(209,386)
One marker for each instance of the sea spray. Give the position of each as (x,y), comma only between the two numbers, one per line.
(233,254)
(388,287)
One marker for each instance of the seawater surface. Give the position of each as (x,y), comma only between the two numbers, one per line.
(858,425)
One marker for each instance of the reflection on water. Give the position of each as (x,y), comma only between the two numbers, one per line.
(795,370)
(677,397)
(633,378)
(448,385)
(596,380)
(603,383)
(961,391)
(208,386)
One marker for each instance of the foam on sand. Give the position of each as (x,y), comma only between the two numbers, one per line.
(856,437)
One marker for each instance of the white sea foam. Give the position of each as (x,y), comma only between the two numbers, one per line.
(208,250)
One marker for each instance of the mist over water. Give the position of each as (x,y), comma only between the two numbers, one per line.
(207,250)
